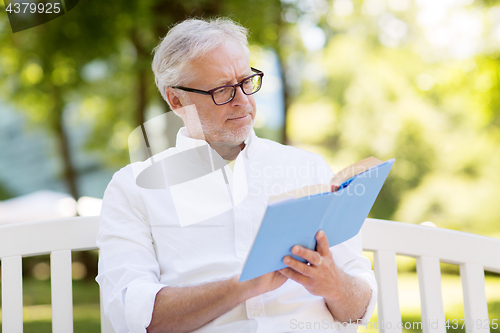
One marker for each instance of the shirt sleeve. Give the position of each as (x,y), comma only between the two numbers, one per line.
(128,271)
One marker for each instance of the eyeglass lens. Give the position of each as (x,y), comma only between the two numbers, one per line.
(249,86)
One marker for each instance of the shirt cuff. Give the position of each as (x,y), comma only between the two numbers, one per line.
(139,304)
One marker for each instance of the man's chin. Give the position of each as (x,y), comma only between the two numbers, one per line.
(242,134)
(233,139)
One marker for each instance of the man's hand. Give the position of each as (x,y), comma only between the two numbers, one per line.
(321,275)
(267,282)
(346,296)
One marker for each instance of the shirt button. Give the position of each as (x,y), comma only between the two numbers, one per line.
(243,247)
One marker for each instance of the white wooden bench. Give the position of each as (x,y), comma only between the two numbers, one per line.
(473,253)
(430,246)
(57,238)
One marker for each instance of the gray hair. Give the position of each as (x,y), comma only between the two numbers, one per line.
(188,40)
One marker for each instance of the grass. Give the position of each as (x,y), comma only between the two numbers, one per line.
(86,314)
(86,318)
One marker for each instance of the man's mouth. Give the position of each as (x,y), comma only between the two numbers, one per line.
(240,118)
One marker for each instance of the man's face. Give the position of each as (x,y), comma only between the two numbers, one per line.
(232,122)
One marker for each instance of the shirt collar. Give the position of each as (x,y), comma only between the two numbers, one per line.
(185,142)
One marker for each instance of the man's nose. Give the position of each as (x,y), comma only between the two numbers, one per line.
(239,97)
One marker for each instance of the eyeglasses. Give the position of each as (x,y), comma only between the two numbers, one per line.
(225,94)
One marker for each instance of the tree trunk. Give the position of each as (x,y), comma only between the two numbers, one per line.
(286,97)
(142,63)
(282,61)
(141,96)
(69,173)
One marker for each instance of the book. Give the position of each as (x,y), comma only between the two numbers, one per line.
(339,208)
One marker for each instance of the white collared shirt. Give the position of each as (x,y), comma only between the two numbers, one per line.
(154,235)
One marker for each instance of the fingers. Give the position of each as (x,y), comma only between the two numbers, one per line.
(294,275)
(322,245)
(314,258)
(318,276)
(311,256)
(298,266)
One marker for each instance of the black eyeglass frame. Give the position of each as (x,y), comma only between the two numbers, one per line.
(234,86)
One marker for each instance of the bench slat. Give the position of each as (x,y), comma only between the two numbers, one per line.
(12,294)
(429,280)
(475,306)
(453,247)
(386,272)
(62,291)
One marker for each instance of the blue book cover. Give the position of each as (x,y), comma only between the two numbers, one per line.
(339,214)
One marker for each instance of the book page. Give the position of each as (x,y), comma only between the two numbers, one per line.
(337,180)
(300,193)
(353,170)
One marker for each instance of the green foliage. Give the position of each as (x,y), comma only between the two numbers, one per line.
(437,114)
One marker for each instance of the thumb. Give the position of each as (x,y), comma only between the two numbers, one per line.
(322,246)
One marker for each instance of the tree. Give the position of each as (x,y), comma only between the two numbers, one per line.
(50,66)
(386,85)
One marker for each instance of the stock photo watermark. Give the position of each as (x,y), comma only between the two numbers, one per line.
(26,14)
(409,325)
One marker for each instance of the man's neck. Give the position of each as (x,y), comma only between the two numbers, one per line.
(226,150)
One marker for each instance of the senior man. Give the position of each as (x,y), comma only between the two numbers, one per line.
(160,274)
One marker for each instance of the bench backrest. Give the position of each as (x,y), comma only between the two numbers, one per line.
(430,246)
(57,238)
(386,239)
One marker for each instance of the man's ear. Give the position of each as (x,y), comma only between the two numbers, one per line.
(175,100)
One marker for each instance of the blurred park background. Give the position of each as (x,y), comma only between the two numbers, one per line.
(414,80)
